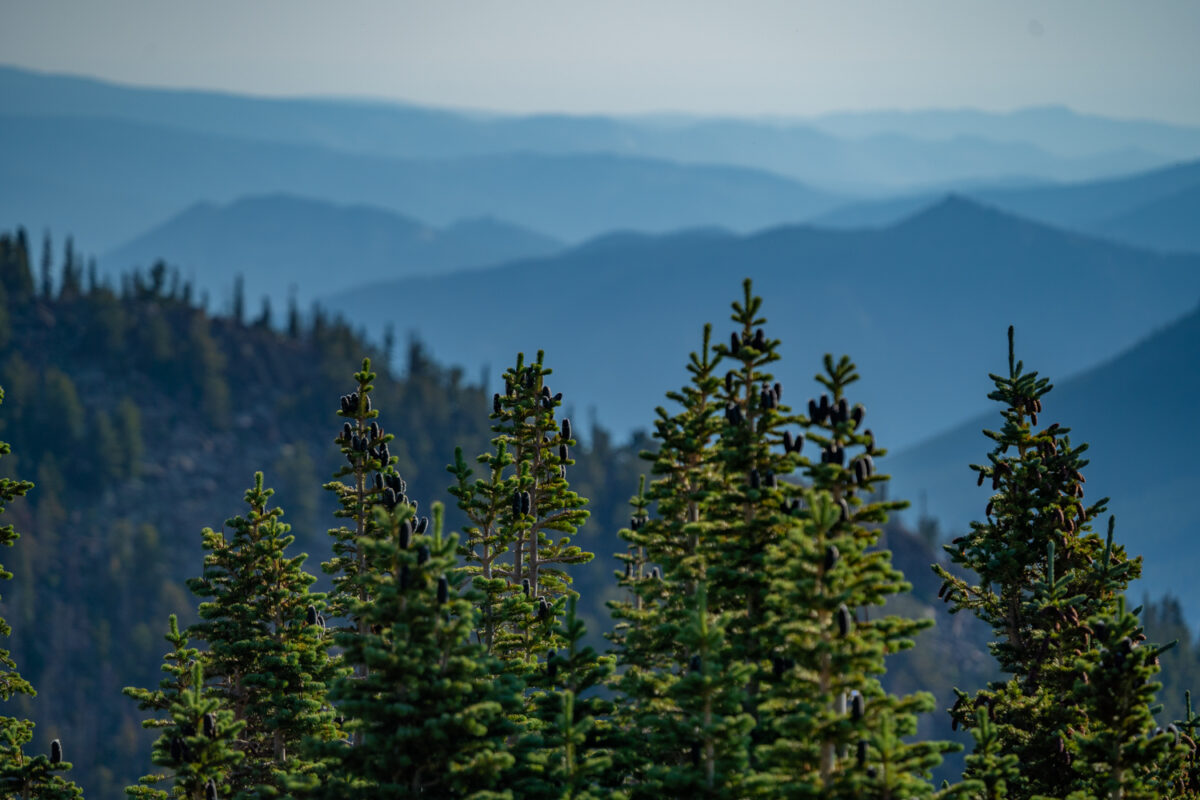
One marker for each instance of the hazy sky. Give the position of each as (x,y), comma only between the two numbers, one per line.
(1118,58)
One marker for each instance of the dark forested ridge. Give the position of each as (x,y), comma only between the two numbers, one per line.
(142,419)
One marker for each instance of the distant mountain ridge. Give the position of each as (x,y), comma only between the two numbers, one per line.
(916,304)
(1054,128)
(1156,209)
(108,180)
(889,155)
(281,241)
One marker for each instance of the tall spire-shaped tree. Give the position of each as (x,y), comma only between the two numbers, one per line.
(757,548)
(521,517)
(672,741)
(828,725)
(570,759)
(1119,756)
(427,707)
(1042,572)
(266,643)
(199,736)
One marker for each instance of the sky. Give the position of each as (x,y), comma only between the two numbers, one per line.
(746,58)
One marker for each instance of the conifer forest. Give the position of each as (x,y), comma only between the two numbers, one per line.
(429,590)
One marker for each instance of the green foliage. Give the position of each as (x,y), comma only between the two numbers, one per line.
(521,517)
(759,614)
(266,644)
(567,758)
(187,744)
(425,706)
(367,479)
(1118,754)
(1043,576)
(752,699)
(832,727)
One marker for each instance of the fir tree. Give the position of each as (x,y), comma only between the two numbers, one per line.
(198,742)
(658,628)
(1042,573)
(373,481)
(178,665)
(428,710)
(521,517)
(784,650)
(22,775)
(992,768)
(266,641)
(1186,775)
(570,760)
(701,735)
(1120,755)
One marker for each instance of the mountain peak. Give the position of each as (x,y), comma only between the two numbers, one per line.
(955,211)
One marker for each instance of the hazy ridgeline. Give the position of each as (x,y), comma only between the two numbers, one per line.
(144,418)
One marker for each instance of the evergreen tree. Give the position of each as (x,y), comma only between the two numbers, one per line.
(784,652)
(198,739)
(701,735)
(992,768)
(1042,574)
(1186,776)
(828,727)
(372,481)
(521,517)
(659,628)
(1119,755)
(570,759)
(47,267)
(239,300)
(426,706)
(16,276)
(266,644)
(22,775)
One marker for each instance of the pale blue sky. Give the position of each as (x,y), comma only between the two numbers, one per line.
(1124,59)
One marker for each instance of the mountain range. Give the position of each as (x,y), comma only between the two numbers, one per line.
(862,152)
(282,243)
(108,180)
(1157,209)
(916,304)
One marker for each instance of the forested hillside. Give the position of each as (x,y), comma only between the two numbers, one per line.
(142,419)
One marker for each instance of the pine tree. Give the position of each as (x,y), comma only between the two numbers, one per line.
(199,735)
(659,628)
(1120,755)
(1042,573)
(701,735)
(426,705)
(266,644)
(1186,775)
(829,728)
(783,650)
(22,775)
(570,759)
(47,267)
(992,768)
(372,481)
(521,517)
